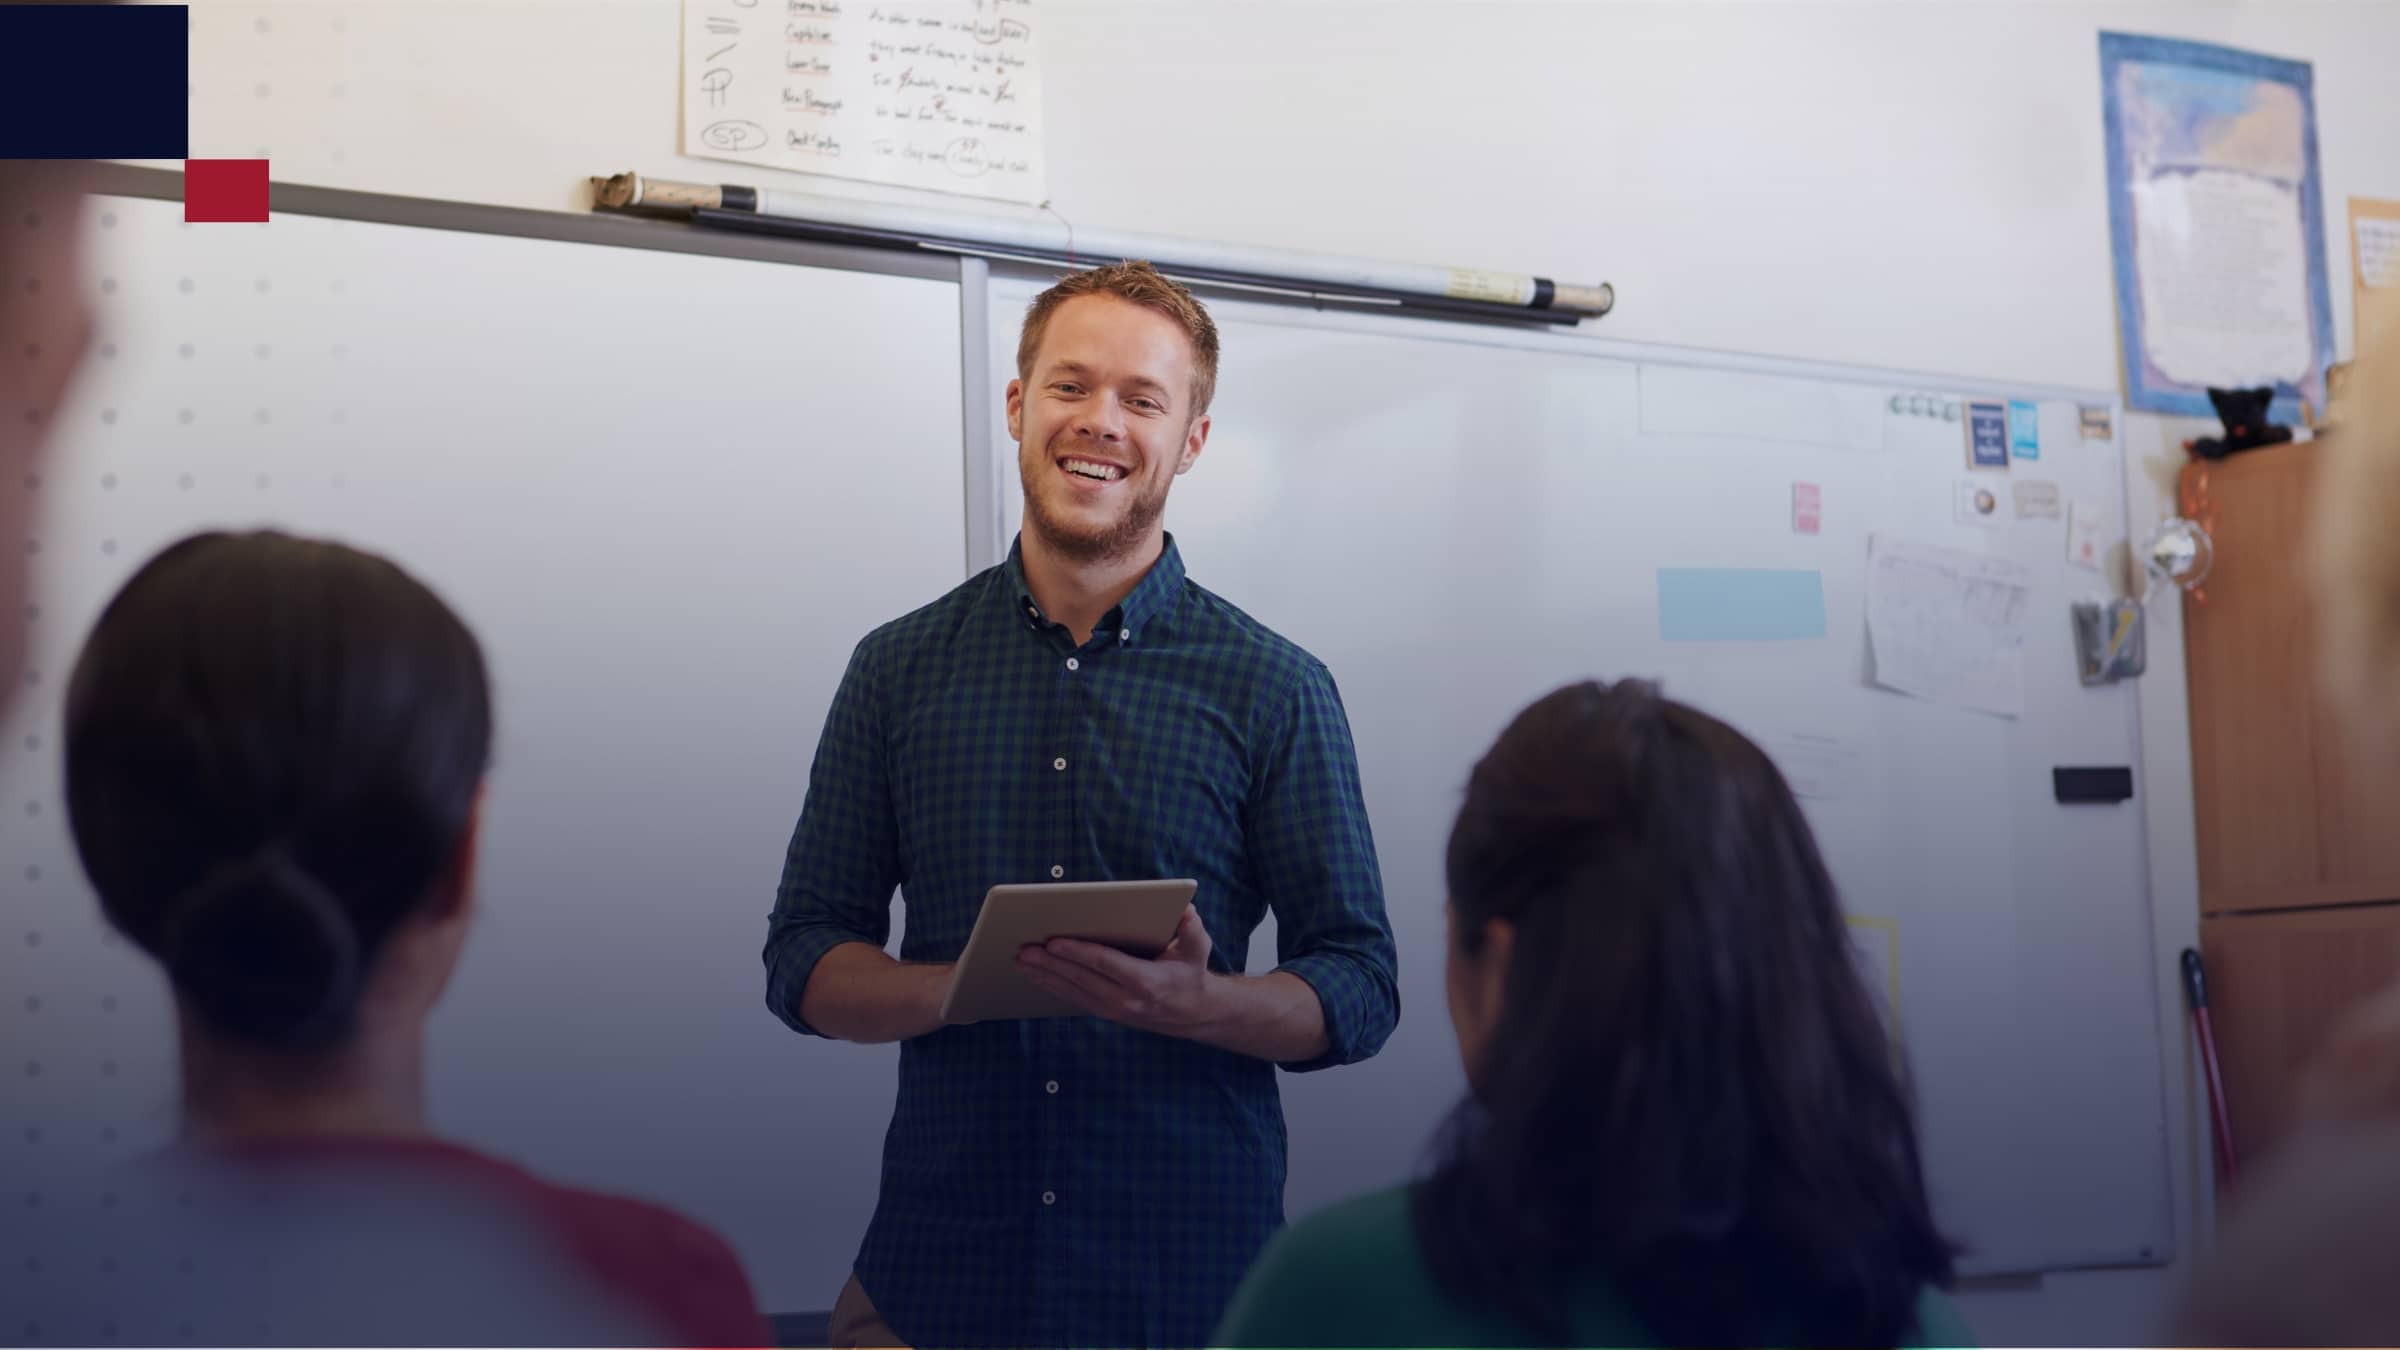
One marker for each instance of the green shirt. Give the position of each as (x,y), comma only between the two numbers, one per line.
(1353,1276)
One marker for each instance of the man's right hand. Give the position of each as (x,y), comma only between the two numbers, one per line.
(859,993)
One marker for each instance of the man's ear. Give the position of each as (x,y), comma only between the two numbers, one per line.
(1015,401)
(1195,439)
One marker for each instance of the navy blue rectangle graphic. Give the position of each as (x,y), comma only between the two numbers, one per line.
(94,82)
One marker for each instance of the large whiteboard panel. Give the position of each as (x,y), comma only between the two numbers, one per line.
(670,493)
(1458,522)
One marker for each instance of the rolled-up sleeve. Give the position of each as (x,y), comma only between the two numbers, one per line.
(1316,862)
(844,859)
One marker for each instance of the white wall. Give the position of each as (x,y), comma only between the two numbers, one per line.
(1915,185)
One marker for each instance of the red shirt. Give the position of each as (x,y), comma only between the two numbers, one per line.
(412,1201)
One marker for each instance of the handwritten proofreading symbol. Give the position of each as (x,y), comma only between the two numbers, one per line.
(723,27)
(965,157)
(734,135)
(719,53)
(714,84)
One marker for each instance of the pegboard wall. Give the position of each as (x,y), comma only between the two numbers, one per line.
(643,478)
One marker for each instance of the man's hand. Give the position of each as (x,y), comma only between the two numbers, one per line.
(1172,994)
(1272,1017)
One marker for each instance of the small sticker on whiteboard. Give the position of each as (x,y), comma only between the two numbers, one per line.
(2036,499)
(2095,423)
(2087,537)
(1978,502)
(1807,508)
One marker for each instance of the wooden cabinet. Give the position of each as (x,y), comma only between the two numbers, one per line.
(2298,833)
(2285,815)
(2276,985)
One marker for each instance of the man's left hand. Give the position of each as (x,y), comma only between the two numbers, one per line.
(1172,993)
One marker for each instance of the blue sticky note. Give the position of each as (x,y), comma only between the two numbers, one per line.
(1987,435)
(1712,604)
(2024,429)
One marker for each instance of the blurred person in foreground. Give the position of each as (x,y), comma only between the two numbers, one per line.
(2308,1249)
(275,758)
(1685,1122)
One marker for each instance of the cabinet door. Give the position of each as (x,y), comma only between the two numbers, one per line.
(2254,719)
(2289,810)
(2276,984)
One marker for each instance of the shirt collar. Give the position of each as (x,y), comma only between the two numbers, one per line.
(1154,595)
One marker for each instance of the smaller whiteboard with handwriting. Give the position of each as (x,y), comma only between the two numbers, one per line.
(939,94)
(1458,520)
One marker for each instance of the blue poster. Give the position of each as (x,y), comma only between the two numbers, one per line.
(1987,435)
(2024,429)
(1734,604)
(2216,225)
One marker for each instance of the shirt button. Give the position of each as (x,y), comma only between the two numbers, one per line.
(1051,1087)
(1073,664)
(1057,871)
(1049,1197)
(1124,635)
(1059,764)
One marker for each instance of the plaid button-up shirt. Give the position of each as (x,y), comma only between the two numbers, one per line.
(1075,1181)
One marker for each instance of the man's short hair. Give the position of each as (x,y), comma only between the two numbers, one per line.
(1141,284)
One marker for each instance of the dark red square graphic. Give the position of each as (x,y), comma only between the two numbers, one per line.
(224,190)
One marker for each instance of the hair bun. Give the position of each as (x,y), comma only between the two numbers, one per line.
(261,950)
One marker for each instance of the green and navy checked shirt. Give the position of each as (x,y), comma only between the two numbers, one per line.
(1073,1181)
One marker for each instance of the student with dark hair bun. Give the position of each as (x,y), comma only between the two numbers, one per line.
(275,754)
(1684,1124)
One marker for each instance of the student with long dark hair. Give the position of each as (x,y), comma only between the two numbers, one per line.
(1685,1125)
(275,756)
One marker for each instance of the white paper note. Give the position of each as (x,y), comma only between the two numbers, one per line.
(2037,499)
(2087,537)
(941,94)
(2224,278)
(2378,250)
(1977,501)
(1948,625)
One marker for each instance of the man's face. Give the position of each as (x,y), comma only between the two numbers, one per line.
(1103,421)
(45,325)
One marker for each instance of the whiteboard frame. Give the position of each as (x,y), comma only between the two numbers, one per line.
(988,458)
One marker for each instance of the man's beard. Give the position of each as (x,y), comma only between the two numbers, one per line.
(1109,542)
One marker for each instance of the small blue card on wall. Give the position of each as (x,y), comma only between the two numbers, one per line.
(2024,429)
(1987,435)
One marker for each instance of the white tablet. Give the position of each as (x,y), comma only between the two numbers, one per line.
(1136,917)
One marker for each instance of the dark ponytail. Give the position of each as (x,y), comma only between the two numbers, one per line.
(1689,1092)
(273,749)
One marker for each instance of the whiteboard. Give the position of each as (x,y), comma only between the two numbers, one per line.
(1458,520)
(669,492)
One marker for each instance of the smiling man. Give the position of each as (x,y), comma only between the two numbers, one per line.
(1084,712)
